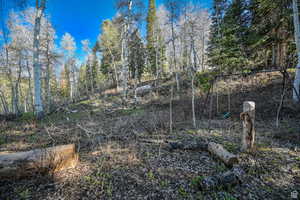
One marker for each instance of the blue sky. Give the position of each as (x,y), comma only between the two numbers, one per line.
(82,18)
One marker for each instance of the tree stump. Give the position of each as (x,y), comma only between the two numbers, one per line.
(248,119)
(30,163)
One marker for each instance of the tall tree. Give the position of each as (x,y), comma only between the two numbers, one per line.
(151,36)
(297,39)
(69,46)
(174,7)
(136,56)
(219,9)
(40,7)
(110,47)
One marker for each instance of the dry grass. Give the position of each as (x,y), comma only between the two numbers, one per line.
(117,162)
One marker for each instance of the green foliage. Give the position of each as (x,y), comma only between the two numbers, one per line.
(203,80)
(164,183)
(156,49)
(196,181)
(250,34)
(221,168)
(136,55)
(150,175)
(28,116)
(65,81)
(24,194)
(182,192)
(227,196)
(151,18)
(2,140)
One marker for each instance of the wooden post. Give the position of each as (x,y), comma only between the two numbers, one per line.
(248,118)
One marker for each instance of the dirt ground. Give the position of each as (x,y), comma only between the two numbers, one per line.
(118,162)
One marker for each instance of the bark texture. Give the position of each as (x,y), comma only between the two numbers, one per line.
(248,118)
(297,40)
(221,153)
(24,164)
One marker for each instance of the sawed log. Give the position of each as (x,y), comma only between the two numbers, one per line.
(30,163)
(215,149)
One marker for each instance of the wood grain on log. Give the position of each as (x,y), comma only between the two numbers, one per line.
(29,163)
(218,150)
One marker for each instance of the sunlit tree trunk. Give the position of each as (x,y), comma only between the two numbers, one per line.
(297,40)
(29,92)
(4,103)
(174,57)
(48,74)
(40,6)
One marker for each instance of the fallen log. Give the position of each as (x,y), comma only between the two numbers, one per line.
(188,145)
(215,149)
(143,89)
(223,180)
(218,150)
(40,161)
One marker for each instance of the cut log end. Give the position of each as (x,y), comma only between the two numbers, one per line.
(40,161)
(228,158)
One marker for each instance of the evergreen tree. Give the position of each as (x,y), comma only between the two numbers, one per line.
(65,81)
(214,49)
(110,48)
(151,36)
(136,56)
(233,41)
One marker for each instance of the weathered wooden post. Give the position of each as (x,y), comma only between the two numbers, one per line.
(248,118)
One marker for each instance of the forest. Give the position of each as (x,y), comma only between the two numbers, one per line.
(169,99)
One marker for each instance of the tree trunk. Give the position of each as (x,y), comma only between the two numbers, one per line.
(193,101)
(248,118)
(23,164)
(4,103)
(297,40)
(174,57)
(40,6)
(30,91)
(48,71)
(115,68)
(171,110)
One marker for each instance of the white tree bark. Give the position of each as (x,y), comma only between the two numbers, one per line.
(36,62)
(297,40)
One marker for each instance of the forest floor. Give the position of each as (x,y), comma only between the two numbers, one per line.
(117,162)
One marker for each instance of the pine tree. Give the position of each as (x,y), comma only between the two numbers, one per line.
(214,49)
(136,56)
(151,36)
(233,42)
(65,81)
